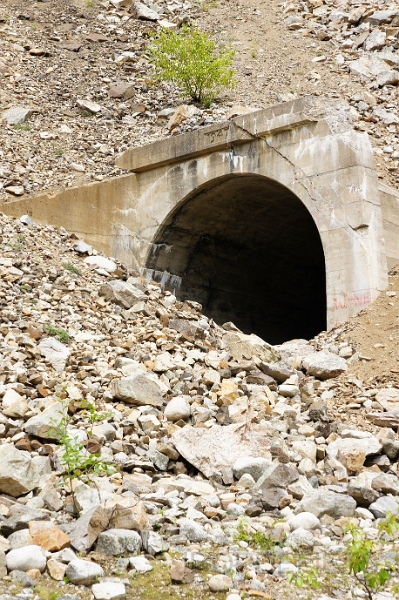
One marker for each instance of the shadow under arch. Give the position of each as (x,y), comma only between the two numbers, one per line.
(249,251)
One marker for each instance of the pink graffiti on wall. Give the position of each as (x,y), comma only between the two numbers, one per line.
(345,301)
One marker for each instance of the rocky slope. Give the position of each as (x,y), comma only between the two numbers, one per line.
(76,86)
(202,462)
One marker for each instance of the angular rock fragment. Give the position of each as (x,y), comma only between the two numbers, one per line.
(18,474)
(212,450)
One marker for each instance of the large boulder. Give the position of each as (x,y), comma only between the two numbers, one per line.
(327,502)
(215,449)
(247,347)
(18,474)
(26,558)
(140,390)
(324,365)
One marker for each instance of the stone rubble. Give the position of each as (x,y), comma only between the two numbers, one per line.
(215,435)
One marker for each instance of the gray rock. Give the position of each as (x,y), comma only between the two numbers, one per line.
(214,449)
(89,106)
(360,488)
(116,542)
(177,408)
(16,115)
(18,474)
(88,527)
(288,391)
(381,17)
(83,572)
(300,538)
(369,445)
(82,248)
(251,466)
(109,590)
(121,292)
(19,539)
(23,579)
(140,390)
(324,365)
(193,531)
(55,353)
(386,484)
(384,505)
(327,502)
(386,116)
(278,476)
(278,370)
(284,569)
(28,557)
(246,347)
(153,543)
(390,77)
(26,220)
(143,12)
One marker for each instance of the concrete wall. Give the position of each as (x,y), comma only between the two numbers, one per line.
(390,218)
(306,146)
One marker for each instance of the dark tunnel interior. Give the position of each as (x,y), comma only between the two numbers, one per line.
(248,250)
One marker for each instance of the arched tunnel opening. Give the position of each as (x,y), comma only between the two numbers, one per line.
(248,250)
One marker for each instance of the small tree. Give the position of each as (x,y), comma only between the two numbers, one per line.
(189,59)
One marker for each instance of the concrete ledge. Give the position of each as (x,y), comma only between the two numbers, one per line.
(270,121)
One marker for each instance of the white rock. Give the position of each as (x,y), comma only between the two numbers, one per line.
(220,583)
(100,262)
(300,538)
(109,590)
(54,352)
(177,408)
(388,398)
(163,362)
(141,564)
(28,557)
(83,572)
(305,520)
(193,531)
(44,424)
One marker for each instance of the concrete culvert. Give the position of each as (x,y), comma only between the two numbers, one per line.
(247,249)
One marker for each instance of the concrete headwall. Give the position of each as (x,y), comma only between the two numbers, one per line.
(390,220)
(306,147)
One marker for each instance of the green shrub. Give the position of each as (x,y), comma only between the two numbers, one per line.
(77,462)
(188,58)
(60,334)
(71,268)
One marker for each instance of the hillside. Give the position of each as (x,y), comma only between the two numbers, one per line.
(145,451)
(226,469)
(57,55)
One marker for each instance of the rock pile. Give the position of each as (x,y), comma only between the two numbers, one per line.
(213,437)
(366,42)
